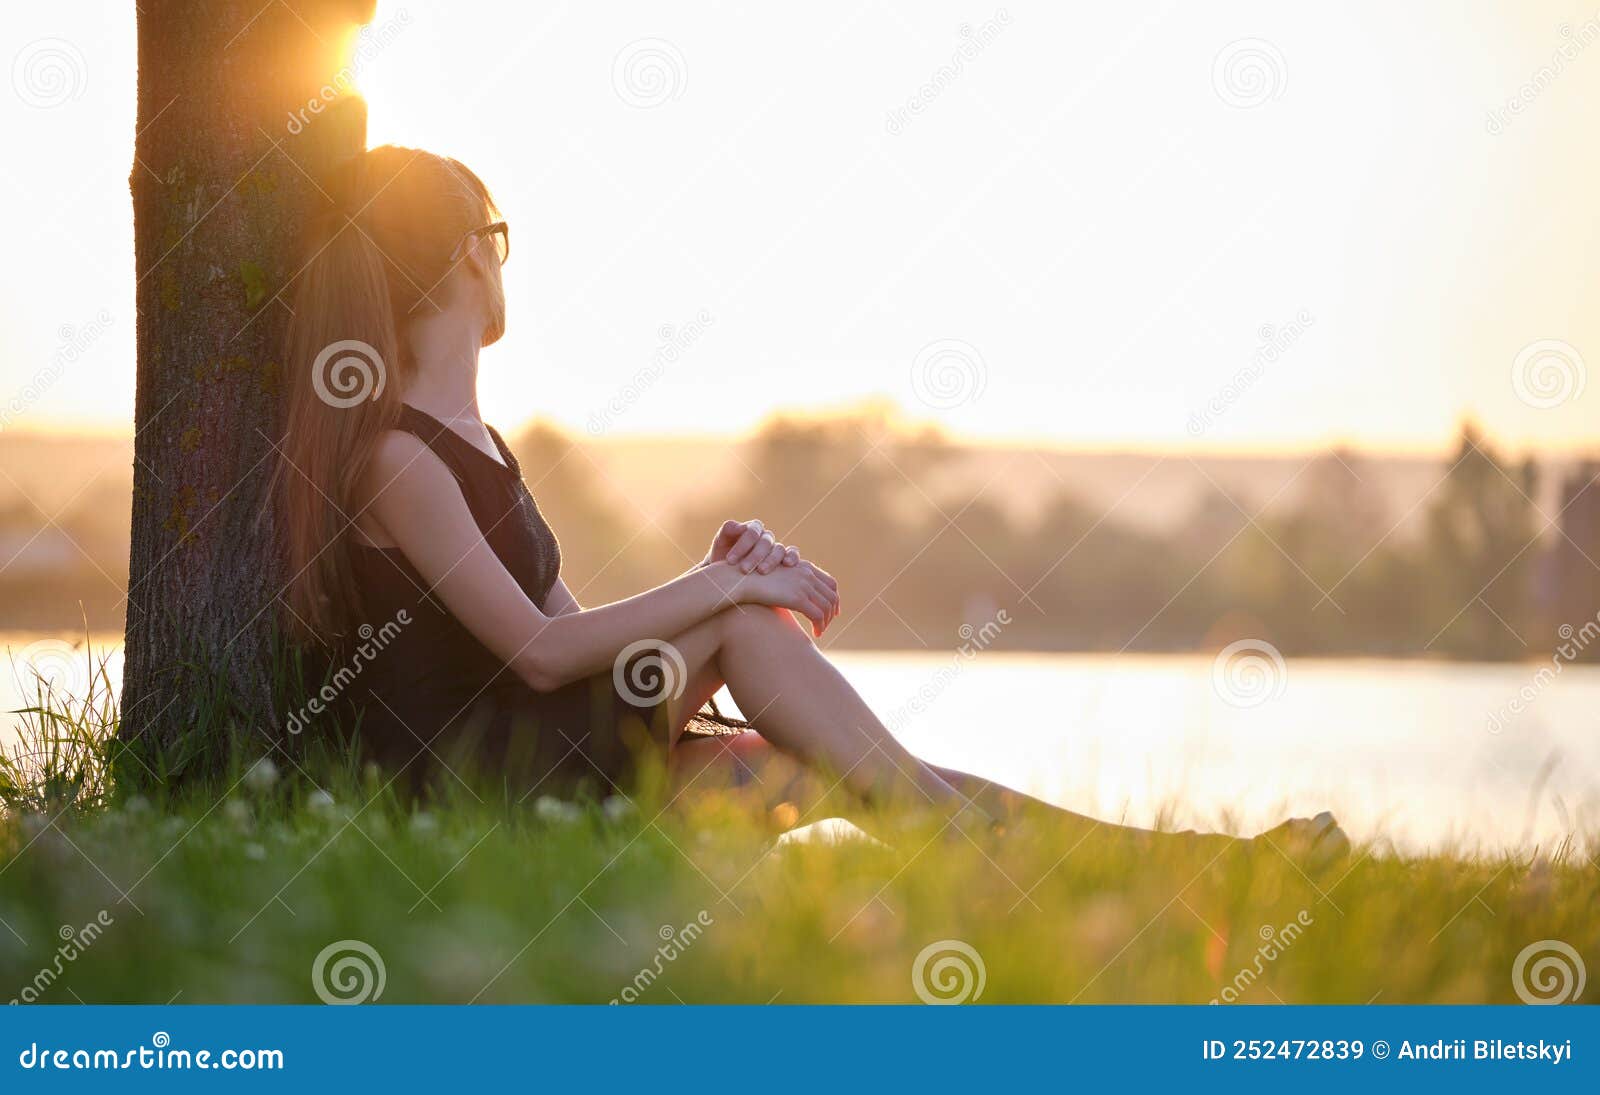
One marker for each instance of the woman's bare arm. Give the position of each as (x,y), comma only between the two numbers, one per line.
(561,602)
(415,500)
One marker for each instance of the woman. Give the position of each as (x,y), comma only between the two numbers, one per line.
(408,521)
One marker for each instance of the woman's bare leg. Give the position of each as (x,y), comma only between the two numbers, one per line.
(805,708)
(792,794)
(1008,805)
(750,765)
(801,704)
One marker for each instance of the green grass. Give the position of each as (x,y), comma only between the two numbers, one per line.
(229,893)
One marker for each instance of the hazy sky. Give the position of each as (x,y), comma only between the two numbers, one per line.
(1078,234)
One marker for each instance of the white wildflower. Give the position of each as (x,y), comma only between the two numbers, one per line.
(261,775)
(547,808)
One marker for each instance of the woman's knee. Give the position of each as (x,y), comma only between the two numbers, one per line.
(736,627)
(752,623)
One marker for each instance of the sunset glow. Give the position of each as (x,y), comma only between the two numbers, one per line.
(1117,236)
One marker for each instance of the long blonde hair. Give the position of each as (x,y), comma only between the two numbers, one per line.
(380,252)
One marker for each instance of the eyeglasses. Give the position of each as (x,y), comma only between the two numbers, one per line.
(500,230)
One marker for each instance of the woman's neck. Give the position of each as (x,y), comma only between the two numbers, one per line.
(444,381)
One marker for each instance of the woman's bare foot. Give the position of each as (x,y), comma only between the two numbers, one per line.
(1312,841)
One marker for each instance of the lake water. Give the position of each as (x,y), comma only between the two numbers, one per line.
(1426,754)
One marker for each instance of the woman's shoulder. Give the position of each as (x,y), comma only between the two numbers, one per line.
(397,446)
(402,461)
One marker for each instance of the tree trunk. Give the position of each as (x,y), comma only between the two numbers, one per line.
(228,144)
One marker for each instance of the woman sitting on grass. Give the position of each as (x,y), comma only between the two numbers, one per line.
(407,516)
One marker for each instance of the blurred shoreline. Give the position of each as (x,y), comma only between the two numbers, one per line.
(1414,755)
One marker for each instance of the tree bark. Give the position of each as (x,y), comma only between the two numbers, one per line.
(221,182)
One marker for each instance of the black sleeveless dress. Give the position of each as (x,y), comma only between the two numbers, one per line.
(434,703)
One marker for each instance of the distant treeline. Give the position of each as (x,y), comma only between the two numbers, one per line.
(1484,573)
(1480,571)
